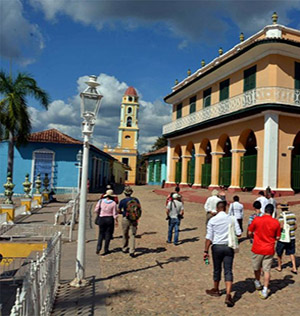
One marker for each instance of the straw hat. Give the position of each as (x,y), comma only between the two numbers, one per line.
(128,190)
(175,196)
(283,205)
(214,192)
(109,193)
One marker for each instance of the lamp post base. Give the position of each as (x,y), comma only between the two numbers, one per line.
(79,283)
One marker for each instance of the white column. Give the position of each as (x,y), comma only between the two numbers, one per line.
(169,159)
(270,150)
(120,138)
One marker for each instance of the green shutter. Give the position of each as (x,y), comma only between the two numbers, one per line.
(297,75)
(191,171)
(207,97)
(250,79)
(224,90)
(157,171)
(206,175)
(296,173)
(151,171)
(225,171)
(178,172)
(179,111)
(193,104)
(248,171)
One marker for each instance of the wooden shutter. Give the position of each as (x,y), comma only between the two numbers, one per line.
(250,79)
(193,104)
(224,90)
(206,97)
(179,111)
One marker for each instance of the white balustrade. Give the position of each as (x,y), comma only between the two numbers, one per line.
(40,284)
(258,96)
(20,210)
(3,218)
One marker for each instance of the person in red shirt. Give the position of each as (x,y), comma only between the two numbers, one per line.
(265,230)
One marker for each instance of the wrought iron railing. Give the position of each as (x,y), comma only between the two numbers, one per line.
(40,283)
(247,99)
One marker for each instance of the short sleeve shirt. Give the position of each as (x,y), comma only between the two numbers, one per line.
(123,204)
(265,229)
(174,207)
(291,220)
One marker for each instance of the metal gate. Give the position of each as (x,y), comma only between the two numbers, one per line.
(206,175)
(178,172)
(191,171)
(225,171)
(248,172)
(296,173)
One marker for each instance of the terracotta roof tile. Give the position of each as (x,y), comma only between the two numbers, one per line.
(156,152)
(131,91)
(52,136)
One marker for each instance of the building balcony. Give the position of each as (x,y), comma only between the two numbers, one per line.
(251,98)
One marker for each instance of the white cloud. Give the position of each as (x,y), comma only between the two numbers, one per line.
(65,116)
(19,39)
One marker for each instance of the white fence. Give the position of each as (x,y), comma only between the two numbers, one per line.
(40,284)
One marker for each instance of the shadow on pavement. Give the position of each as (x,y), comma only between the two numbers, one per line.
(158,264)
(82,301)
(194,239)
(242,239)
(188,229)
(145,233)
(143,251)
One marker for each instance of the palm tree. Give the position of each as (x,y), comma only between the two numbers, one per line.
(14,116)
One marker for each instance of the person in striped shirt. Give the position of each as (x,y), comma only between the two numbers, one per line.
(290,248)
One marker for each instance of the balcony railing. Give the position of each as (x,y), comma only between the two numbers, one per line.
(245,100)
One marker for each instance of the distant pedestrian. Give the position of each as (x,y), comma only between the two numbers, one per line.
(106,209)
(210,205)
(222,195)
(289,247)
(271,200)
(236,209)
(263,200)
(130,209)
(115,197)
(217,235)
(265,230)
(175,212)
(170,196)
(257,213)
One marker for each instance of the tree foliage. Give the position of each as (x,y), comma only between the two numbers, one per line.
(159,143)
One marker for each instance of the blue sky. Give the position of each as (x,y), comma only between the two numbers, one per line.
(146,44)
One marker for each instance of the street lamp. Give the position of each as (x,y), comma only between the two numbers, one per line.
(90,104)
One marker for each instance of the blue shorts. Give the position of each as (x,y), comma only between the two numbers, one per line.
(289,247)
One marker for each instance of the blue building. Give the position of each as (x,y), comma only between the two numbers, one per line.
(157,166)
(55,153)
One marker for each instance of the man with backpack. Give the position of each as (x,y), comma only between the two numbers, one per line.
(130,208)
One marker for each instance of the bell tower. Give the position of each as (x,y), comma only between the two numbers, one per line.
(128,136)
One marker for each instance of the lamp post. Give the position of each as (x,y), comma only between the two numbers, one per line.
(90,104)
(79,166)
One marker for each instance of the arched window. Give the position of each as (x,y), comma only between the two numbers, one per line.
(43,162)
(129,110)
(129,121)
(130,99)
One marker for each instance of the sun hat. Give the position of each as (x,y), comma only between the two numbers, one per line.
(175,196)
(109,193)
(128,190)
(283,205)
(214,192)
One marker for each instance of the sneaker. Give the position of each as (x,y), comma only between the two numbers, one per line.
(258,285)
(229,301)
(263,295)
(132,255)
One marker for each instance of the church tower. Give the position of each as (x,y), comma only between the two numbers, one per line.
(128,136)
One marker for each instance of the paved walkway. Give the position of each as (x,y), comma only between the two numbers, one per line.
(167,280)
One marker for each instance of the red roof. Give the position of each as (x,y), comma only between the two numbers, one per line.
(52,136)
(156,152)
(131,91)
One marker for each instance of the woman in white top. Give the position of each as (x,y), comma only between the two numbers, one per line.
(236,209)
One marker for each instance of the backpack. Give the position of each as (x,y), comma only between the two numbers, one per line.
(169,198)
(133,210)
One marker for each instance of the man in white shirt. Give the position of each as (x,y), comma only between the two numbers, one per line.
(210,205)
(175,213)
(236,209)
(217,235)
(263,201)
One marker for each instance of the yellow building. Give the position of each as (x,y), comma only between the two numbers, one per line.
(236,120)
(126,151)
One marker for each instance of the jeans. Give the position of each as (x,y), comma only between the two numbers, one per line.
(222,254)
(240,221)
(129,232)
(106,229)
(173,223)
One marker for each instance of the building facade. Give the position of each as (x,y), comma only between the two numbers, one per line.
(55,153)
(126,151)
(156,166)
(236,120)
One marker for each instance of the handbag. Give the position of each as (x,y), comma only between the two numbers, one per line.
(97,218)
(232,238)
(285,232)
